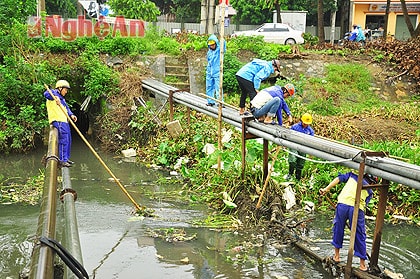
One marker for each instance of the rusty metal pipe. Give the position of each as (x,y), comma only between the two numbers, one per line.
(71,233)
(42,260)
(387,168)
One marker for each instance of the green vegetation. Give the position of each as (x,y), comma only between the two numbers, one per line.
(203,177)
(310,39)
(137,9)
(339,92)
(345,92)
(256,45)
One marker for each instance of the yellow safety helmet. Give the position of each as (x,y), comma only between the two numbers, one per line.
(211,42)
(306,118)
(62,84)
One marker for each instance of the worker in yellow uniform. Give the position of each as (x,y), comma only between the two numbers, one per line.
(57,118)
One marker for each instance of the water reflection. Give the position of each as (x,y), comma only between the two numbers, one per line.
(17,229)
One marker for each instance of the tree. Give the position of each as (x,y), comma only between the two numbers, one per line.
(413,33)
(388,4)
(187,11)
(321,34)
(250,12)
(135,9)
(164,6)
(270,4)
(64,8)
(333,17)
(11,11)
(344,15)
(183,10)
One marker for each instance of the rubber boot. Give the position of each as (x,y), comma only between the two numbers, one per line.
(298,174)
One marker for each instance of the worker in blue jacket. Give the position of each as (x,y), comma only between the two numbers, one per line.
(344,211)
(58,119)
(250,76)
(213,69)
(282,92)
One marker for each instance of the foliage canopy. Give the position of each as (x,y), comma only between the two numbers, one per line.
(135,9)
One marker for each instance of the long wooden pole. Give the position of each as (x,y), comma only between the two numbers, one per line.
(138,207)
(222,50)
(268,177)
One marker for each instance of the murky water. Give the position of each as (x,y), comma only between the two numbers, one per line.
(115,244)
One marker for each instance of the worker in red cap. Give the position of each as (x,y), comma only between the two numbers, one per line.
(282,92)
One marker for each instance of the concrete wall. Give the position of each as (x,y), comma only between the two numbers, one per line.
(173,27)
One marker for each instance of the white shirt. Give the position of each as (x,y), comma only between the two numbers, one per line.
(261,99)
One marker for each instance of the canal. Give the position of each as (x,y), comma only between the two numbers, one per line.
(117,244)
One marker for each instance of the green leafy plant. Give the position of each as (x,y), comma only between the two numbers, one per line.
(172,79)
(379,57)
(345,90)
(169,46)
(135,9)
(310,39)
(191,41)
(143,124)
(230,67)
(98,79)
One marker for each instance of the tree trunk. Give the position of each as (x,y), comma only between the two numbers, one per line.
(417,32)
(321,34)
(344,18)
(388,3)
(278,10)
(333,16)
(407,18)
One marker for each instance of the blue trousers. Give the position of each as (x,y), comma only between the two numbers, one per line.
(270,108)
(343,213)
(64,140)
(212,88)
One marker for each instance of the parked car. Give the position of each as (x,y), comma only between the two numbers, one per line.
(279,33)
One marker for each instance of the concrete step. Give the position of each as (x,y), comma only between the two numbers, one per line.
(176,69)
(170,78)
(176,72)
(172,60)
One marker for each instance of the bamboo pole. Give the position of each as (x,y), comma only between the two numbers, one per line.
(222,50)
(268,177)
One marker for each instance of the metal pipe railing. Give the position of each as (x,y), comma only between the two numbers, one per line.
(71,232)
(387,168)
(42,259)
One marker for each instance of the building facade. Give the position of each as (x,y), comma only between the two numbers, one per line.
(370,14)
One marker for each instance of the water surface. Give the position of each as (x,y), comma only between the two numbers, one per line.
(116,244)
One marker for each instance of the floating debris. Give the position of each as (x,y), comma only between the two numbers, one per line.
(185,260)
(131,152)
(171,235)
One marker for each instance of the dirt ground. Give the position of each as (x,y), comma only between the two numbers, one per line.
(362,127)
(356,129)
